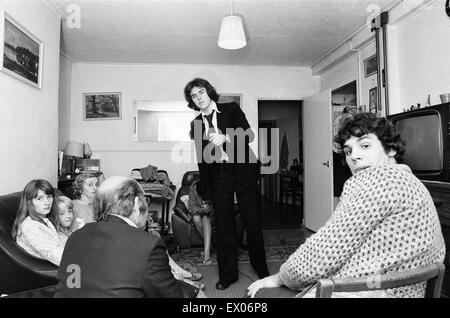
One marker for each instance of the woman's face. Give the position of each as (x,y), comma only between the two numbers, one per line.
(42,203)
(365,152)
(65,215)
(90,186)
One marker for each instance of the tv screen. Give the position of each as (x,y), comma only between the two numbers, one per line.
(424,145)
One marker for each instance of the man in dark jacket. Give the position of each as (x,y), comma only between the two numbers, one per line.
(115,257)
(227,166)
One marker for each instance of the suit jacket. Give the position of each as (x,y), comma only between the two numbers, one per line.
(246,171)
(115,260)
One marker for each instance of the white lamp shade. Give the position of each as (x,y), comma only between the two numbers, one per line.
(74,149)
(232,36)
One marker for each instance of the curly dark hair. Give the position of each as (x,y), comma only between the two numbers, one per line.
(364,123)
(199,82)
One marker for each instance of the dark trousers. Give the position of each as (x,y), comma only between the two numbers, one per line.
(223,187)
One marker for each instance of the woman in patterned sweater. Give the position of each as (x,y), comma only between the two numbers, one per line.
(385,222)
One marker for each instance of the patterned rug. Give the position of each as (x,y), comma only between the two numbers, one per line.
(279,245)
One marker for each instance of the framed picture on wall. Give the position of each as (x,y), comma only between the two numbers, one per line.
(228,98)
(21,53)
(373,100)
(370,65)
(98,106)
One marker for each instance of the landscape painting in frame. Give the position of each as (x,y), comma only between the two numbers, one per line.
(98,106)
(228,98)
(21,52)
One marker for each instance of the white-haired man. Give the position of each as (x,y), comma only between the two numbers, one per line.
(114,257)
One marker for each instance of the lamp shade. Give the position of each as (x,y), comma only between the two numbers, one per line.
(74,149)
(232,36)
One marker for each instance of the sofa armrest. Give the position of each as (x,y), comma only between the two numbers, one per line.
(26,261)
(182,212)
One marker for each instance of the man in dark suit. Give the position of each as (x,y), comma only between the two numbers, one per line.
(227,166)
(115,257)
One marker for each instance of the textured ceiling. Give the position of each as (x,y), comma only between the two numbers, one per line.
(279,32)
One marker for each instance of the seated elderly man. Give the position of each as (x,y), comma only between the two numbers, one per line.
(385,222)
(114,257)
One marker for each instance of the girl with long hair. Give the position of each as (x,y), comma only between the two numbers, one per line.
(33,228)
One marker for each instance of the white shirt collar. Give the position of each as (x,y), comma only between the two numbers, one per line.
(129,222)
(213,107)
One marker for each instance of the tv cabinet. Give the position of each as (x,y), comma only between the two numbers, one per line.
(440,192)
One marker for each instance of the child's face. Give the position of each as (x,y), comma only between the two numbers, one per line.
(42,203)
(65,215)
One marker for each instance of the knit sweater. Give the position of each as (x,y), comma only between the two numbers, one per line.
(83,213)
(386,222)
(40,240)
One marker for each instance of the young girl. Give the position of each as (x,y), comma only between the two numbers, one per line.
(33,229)
(64,217)
(85,185)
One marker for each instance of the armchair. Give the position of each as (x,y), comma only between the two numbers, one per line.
(19,271)
(185,233)
(183,228)
(433,274)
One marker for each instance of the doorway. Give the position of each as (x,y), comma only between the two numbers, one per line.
(344,103)
(286,116)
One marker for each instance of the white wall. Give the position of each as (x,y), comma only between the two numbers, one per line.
(29,116)
(420,57)
(65,84)
(111,140)
(340,74)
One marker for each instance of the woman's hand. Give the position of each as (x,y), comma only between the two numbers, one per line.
(272,281)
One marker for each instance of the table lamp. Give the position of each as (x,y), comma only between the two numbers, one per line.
(75,150)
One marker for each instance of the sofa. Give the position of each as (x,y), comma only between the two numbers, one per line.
(19,271)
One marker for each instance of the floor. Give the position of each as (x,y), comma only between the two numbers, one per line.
(277,216)
(274,217)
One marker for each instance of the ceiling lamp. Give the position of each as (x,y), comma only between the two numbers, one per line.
(232,36)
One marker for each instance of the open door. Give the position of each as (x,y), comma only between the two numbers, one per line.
(318,161)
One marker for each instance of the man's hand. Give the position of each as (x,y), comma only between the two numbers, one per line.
(217,139)
(272,281)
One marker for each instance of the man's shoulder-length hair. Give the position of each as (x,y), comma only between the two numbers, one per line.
(199,82)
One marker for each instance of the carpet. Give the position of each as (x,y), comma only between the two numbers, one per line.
(239,288)
(279,245)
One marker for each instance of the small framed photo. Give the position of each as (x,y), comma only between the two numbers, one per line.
(370,65)
(228,98)
(21,53)
(98,106)
(373,100)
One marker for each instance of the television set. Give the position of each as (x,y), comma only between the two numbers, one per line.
(427,135)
